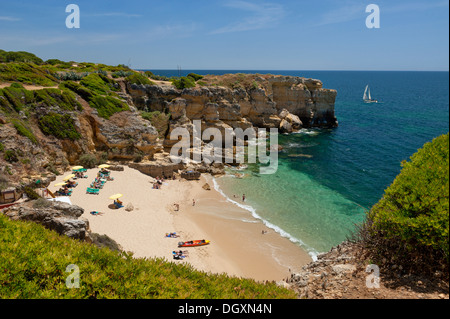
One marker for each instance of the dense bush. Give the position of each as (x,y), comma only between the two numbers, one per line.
(15,97)
(20,56)
(79,89)
(31,193)
(138,78)
(26,73)
(99,84)
(64,99)
(24,131)
(88,161)
(183,82)
(92,93)
(409,226)
(107,105)
(196,77)
(33,263)
(60,126)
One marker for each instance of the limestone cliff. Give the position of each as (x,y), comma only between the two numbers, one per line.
(29,151)
(265,103)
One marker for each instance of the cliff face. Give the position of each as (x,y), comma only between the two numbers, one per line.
(260,105)
(223,102)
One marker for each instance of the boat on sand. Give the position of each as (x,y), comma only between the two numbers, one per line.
(194,243)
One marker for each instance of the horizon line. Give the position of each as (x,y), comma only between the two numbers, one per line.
(292,70)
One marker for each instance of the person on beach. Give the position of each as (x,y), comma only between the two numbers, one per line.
(193,202)
(243,198)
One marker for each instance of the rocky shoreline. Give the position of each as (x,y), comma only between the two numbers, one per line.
(345,272)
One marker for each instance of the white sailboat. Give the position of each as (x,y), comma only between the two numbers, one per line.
(367,97)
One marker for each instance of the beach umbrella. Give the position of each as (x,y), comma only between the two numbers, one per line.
(60,184)
(76,168)
(68,177)
(104,166)
(117,196)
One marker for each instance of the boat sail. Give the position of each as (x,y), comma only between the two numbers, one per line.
(367,96)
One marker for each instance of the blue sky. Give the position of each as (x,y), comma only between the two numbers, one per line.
(234,34)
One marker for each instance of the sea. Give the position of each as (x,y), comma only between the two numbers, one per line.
(328,179)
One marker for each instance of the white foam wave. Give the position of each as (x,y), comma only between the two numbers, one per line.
(311,251)
(307,131)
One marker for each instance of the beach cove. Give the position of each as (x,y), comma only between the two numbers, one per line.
(238,246)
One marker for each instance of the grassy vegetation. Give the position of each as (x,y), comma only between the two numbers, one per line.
(409,226)
(15,98)
(60,126)
(183,82)
(33,264)
(20,56)
(99,92)
(138,78)
(107,105)
(62,99)
(26,73)
(23,130)
(99,84)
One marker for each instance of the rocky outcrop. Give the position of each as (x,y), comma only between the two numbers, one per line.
(306,102)
(60,217)
(285,103)
(345,273)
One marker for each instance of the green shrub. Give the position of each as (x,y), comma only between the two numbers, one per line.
(64,99)
(24,131)
(20,56)
(409,226)
(31,193)
(183,82)
(16,97)
(88,161)
(60,126)
(196,77)
(138,78)
(26,73)
(82,91)
(10,156)
(99,84)
(107,105)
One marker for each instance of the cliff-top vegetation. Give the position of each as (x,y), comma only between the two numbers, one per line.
(33,261)
(409,226)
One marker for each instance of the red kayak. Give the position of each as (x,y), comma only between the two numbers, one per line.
(195,243)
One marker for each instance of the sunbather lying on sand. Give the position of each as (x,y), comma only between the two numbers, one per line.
(96,213)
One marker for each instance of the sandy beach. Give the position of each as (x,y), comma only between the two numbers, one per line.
(237,247)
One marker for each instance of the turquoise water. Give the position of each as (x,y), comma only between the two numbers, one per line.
(316,200)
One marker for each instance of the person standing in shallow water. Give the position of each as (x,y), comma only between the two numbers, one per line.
(243,198)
